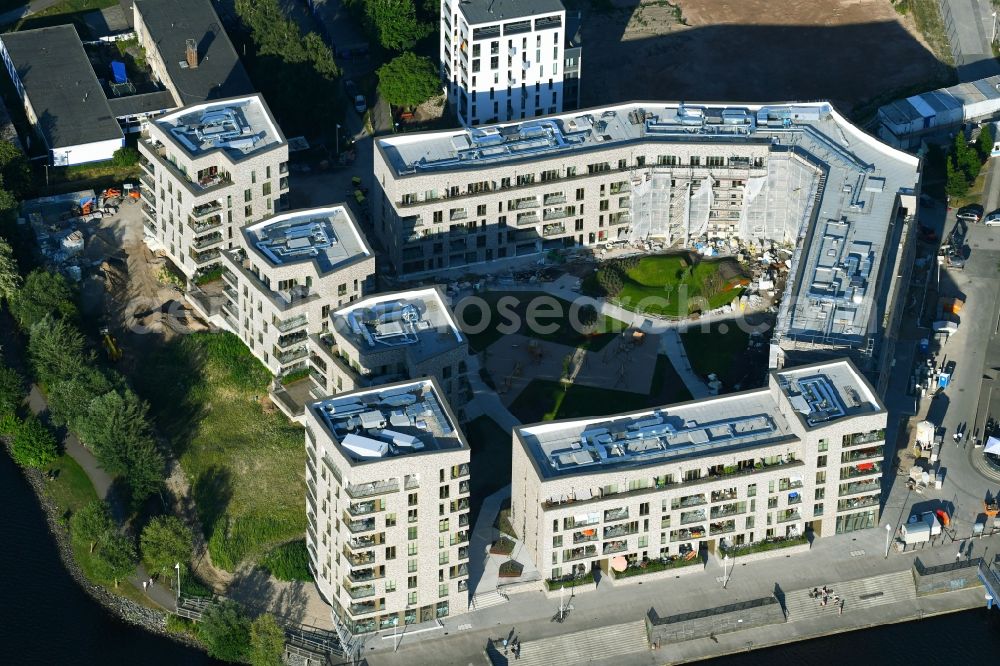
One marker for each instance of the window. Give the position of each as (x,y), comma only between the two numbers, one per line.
(443,590)
(481,209)
(390,553)
(267,188)
(411,499)
(411,533)
(248,212)
(411,517)
(644,509)
(443,557)
(820,477)
(411,598)
(411,566)
(823,445)
(247,196)
(820,461)
(820,493)
(390,586)
(443,492)
(411,582)
(390,520)
(557,541)
(411,548)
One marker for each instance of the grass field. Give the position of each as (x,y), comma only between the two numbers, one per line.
(246,467)
(501,314)
(716,351)
(669,285)
(72,488)
(490,461)
(546,400)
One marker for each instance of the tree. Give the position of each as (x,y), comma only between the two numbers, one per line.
(115,423)
(144,474)
(267,642)
(395,23)
(14,170)
(984,144)
(225,631)
(91,524)
(165,541)
(11,390)
(57,350)
(125,156)
(69,399)
(955,183)
(408,80)
(588,316)
(115,558)
(43,294)
(965,158)
(33,444)
(10,277)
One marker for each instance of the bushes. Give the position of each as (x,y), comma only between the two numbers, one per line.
(569,581)
(502,546)
(11,390)
(165,542)
(289,561)
(225,631)
(511,569)
(44,294)
(33,444)
(125,156)
(113,551)
(767,544)
(267,642)
(295,376)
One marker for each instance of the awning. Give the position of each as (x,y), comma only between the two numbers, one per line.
(992,446)
(619,563)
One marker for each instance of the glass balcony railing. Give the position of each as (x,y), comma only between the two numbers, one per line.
(357,491)
(579,553)
(689,501)
(858,502)
(291,324)
(583,536)
(861,469)
(693,517)
(363,608)
(615,514)
(363,508)
(613,547)
(205,209)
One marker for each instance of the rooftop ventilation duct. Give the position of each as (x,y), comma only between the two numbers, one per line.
(191,53)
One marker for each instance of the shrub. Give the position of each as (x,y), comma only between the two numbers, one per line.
(11,390)
(165,541)
(89,525)
(294,376)
(33,444)
(511,569)
(125,156)
(289,561)
(502,546)
(226,632)
(569,581)
(181,625)
(267,642)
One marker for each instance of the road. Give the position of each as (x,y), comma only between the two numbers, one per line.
(970,26)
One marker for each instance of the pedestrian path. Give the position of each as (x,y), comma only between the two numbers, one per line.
(581,647)
(856,594)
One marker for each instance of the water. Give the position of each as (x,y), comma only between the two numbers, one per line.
(46,618)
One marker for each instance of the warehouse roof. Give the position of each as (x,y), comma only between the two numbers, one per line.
(61,86)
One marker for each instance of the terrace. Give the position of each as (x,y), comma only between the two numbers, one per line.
(237,127)
(327,236)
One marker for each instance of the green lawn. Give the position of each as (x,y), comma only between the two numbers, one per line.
(246,467)
(545,400)
(668,285)
(71,489)
(490,447)
(509,314)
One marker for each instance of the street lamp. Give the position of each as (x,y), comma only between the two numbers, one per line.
(994,37)
(725,579)
(178,567)
(888,535)
(337,139)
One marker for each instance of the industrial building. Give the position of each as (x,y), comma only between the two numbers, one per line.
(209,170)
(835,199)
(283,276)
(905,123)
(802,454)
(387,471)
(62,98)
(505,59)
(392,336)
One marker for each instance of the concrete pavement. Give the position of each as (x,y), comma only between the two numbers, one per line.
(970,26)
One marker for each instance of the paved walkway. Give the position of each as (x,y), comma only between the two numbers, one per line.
(486,401)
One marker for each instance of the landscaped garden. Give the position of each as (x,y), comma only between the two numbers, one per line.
(569,581)
(546,400)
(652,566)
(670,285)
(246,466)
(507,307)
(761,546)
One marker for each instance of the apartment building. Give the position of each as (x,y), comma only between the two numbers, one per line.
(393,336)
(803,453)
(503,59)
(798,175)
(209,170)
(284,276)
(387,472)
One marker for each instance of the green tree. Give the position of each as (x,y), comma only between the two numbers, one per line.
(125,156)
(43,294)
(69,399)
(984,144)
(165,541)
(33,444)
(395,23)
(144,474)
(11,390)
(14,170)
(955,182)
(10,277)
(588,315)
(91,524)
(408,80)
(225,631)
(114,423)
(965,157)
(57,350)
(267,642)
(115,558)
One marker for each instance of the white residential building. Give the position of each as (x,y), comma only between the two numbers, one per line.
(504,59)
(286,274)
(803,454)
(210,169)
(387,472)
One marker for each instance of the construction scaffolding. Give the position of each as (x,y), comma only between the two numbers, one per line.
(777,207)
(651,206)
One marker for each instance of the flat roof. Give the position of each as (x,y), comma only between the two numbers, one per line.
(61,86)
(390,421)
(219,73)
(151,102)
(825,392)
(417,321)
(491,11)
(239,126)
(327,236)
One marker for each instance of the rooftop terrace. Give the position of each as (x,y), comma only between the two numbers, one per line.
(391,421)
(826,392)
(238,127)
(327,236)
(418,321)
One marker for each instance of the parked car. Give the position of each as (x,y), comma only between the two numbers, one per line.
(359,104)
(992,220)
(970,213)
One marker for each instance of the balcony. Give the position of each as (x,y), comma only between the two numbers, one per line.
(229,311)
(459,505)
(363,508)
(553,229)
(573,523)
(288,325)
(789,484)
(580,553)
(557,214)
(460,571)
(620,530)
(230,278)
(286,357)
(872,453)
(463,487)
(201,258)
(312,487)
(620,188)
(794,498)
(553,199)
(463,520)
(697,532)
(463,553)
(362,575)
(613,547)
(723,495)
(619,218)
(693,517)
(616,514)
(207,241)
(201,226)
(460,471)
(363,542)
(355,526)
(689,501)
(411,482)
(357,491)
(290,339)
(583,536)
(148,211)
(522,204)
(363,608)
(861,469)
(524,219)
(205,209)
(862,438)
(728,510)
(858,503)
(148,182)
(724,527)
(460,537)
(208,179)
(788,516)
(457,214)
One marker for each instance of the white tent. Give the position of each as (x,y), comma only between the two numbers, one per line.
(992,446)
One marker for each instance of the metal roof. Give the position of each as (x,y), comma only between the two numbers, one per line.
(239,126)
(477,12)
(132,105)
(327,236)
(61,86)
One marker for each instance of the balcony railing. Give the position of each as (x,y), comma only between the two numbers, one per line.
(522,204)
(692,517)
(207,241)
(722,528)
(200,258)
(579,553)
(584,536)
(858,503)
(291,339)
(619,218)
(360,559)
(615,547)
(286,357)
(790,485)
(556,214)
(689,501)
(205,209)
(357,491)
(362,575)
(460,472)
(786,516)
(687,534)
(728,510)
(363,608)
(616,514)
(363,508)
(201,226)
(861,469)
(524,219)
(411,482)
(620,530)
(723,495)
(290,324)
(552,199)
(553,229)
(873,453)
(862,438)
(460,537)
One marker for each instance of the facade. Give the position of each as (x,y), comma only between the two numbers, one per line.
(503,59)
(210,169)
(803,453)
(285,274)
(388,506)
(796,175)
(188,51)
(393,336)
(62,98)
